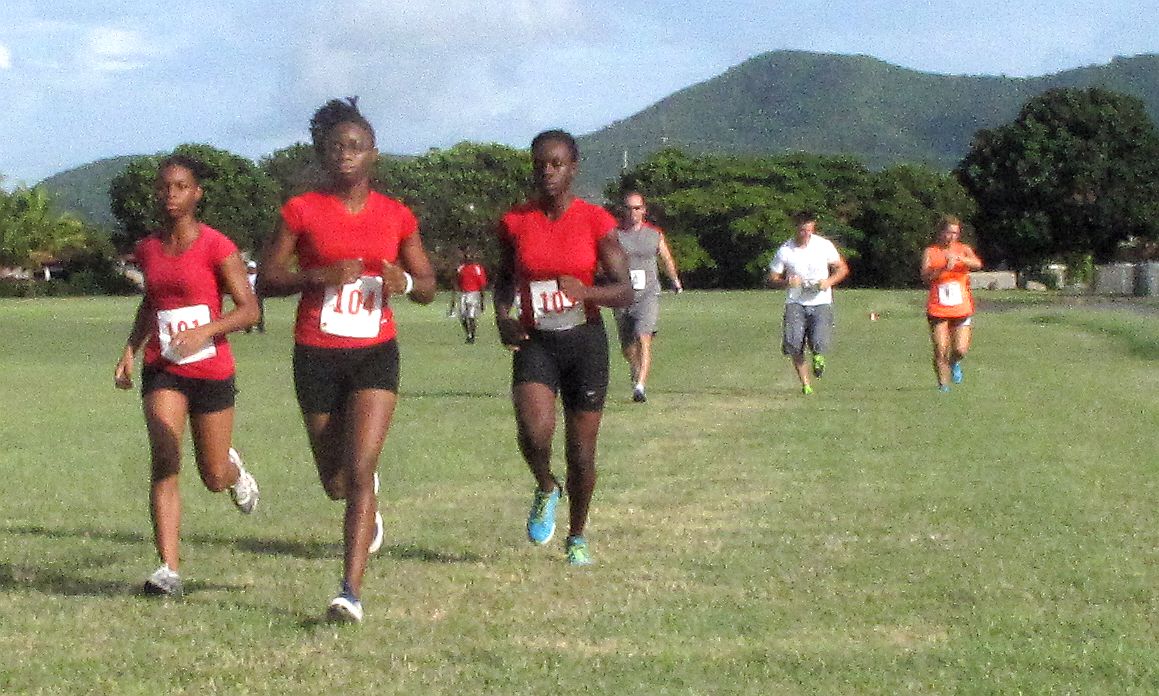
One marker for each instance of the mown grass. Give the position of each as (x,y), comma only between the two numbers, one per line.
(875,538)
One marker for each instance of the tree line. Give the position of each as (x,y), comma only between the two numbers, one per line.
(1075,174)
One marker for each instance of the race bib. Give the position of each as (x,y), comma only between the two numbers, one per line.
(950,294)
(174,321)
(552,310)
(353,310)
(639,279)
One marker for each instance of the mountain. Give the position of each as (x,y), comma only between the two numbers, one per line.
(823,103)
(778,102)
(84,191)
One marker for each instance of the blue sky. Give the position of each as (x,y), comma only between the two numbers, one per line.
(80,81)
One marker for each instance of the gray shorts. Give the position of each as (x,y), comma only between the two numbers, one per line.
(470,304)
(807,326)
(638,319)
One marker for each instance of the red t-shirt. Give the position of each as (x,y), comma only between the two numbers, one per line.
(354,316)
(184,291)
(472,277)
(546,249)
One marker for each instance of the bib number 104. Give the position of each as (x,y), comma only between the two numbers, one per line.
(353,310)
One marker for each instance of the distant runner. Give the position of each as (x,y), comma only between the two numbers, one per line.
(188,368)
(350,252)
(809,266)
(470,282)
(551,248)
(642,243)
(946,266)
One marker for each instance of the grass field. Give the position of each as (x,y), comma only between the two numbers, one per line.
(875,538)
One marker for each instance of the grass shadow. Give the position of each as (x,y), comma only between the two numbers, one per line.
(452,393)
(75,584)
(296,549)
(1136,343)
(16,577)
(306,550)
(410,552)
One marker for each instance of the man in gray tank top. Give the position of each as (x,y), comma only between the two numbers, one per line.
(642,243)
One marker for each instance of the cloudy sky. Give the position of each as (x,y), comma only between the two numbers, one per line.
(82,80)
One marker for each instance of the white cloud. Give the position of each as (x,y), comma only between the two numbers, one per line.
(109,49)
(431,75)
(5,58)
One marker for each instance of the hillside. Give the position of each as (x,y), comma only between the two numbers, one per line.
(84,191)
(833,104)
(783,101)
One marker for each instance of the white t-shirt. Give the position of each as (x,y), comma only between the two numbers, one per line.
(811,263)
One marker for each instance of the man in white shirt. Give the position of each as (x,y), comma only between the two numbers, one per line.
(809,266)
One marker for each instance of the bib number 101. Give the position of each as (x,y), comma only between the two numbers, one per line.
(171,322)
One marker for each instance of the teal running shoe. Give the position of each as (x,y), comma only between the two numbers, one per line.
(956,373)
(577,551)
(541,519)
(944,388)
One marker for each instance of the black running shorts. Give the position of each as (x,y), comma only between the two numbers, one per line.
(325,377)
(573,362)
(203,395)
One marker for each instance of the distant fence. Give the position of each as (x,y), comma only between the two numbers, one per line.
(1140,279)
(994,280)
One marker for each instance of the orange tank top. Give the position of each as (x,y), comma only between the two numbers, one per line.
(950,296)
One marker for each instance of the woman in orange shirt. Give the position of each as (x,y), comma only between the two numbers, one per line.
(946,266)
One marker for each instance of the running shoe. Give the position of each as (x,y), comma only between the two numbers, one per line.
(345,608)
(956,373)
(164,583)
(944,388)
(244,491)
(541,519)
(638,395)
(577,551)
(806,389)
(376,541)
(818,365)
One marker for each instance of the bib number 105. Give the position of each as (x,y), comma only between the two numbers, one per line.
(353,310)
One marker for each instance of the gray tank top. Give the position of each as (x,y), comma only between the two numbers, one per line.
(642,246)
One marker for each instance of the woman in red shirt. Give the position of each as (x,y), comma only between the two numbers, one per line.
(551,249)
(355,248)
(946,267)
(188,367)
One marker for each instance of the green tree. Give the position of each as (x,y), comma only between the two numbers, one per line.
(294,170)
(32,233)
(240,199)
(897,220)
(738,210)
(1076,172)
(458,195)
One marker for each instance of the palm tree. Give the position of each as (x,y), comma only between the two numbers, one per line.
(32,233)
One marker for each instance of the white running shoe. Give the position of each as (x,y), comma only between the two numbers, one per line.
(164,582)
(344,609)
(245,490)
(376,541)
